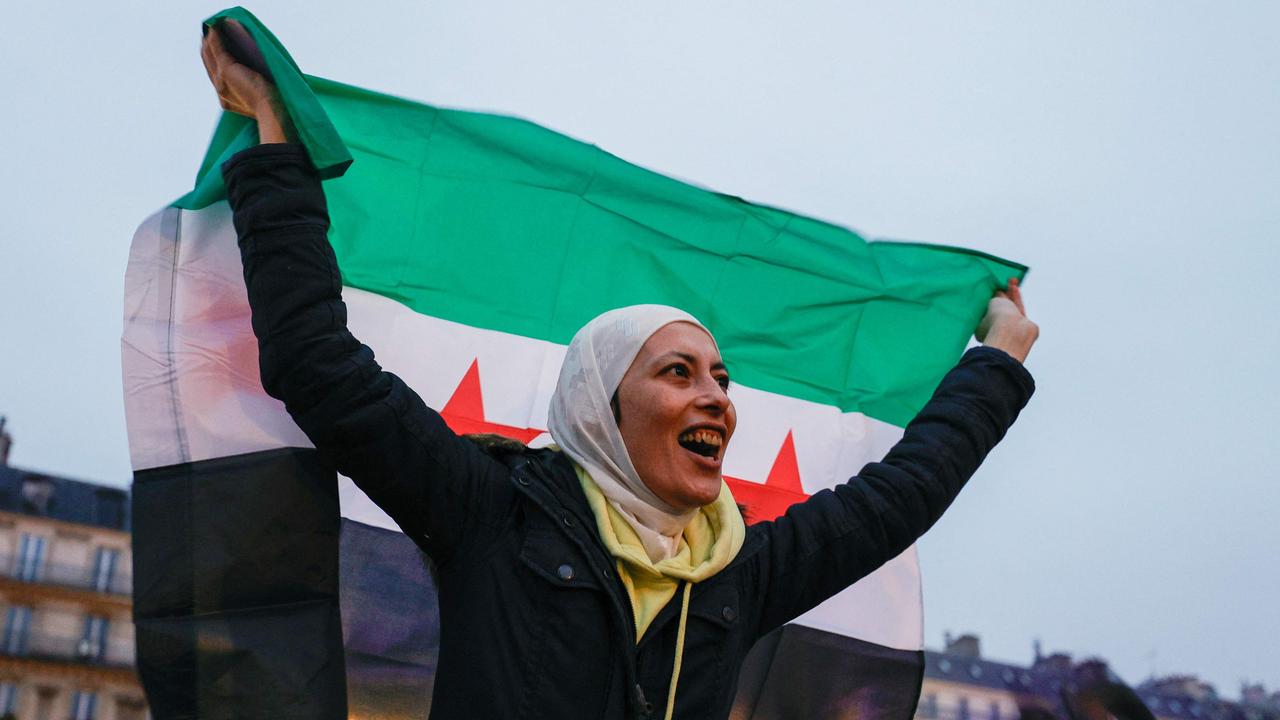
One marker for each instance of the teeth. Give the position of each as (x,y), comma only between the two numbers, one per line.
(706,437)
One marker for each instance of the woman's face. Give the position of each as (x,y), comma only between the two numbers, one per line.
(675,415)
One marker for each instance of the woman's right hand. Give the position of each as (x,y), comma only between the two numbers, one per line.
(1006,326)
(240,89)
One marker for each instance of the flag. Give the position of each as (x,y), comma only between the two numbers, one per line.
(472,246)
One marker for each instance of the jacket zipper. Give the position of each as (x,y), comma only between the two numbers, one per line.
(642,707)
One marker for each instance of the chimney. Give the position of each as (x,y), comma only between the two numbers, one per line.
(1058,662)
(967,645)
(6,442)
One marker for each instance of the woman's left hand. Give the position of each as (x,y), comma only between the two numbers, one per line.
(1006,326)
(240,89)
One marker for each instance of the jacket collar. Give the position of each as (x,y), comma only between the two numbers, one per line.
(555,487)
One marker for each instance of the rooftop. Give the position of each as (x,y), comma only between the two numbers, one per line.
(39,494)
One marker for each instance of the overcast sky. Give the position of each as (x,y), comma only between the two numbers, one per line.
(1129,152)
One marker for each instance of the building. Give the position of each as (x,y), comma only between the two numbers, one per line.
(1256,704)
(66,630)
(960,684)
(1186,697)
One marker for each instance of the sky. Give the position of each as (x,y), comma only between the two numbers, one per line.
(1128,152)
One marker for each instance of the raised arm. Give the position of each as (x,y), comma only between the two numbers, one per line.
(823,545)
(435,485)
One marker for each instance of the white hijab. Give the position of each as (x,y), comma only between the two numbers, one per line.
(581,420)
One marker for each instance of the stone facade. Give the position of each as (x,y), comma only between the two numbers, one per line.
(66,630)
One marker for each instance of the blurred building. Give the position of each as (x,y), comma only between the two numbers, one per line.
(1256,704)
(1186,697)
(960,684)
(66,630)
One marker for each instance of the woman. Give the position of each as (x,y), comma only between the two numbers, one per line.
(611,577)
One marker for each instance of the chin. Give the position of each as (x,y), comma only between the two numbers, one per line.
(703,494)
(684,488)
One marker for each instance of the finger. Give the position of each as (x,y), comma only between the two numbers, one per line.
(206,56)
(214,70)
(1015,294)
(220,52)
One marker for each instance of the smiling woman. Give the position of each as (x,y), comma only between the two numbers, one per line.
(558,568)
(640,389)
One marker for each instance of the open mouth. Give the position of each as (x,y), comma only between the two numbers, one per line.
(702,441)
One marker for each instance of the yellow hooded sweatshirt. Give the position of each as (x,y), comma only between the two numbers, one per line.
(710,542)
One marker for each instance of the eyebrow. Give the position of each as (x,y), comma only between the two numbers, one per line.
(691,360)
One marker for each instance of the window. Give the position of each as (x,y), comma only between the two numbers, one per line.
(929,708)
(38,494)
(995,710)
(8,698)
(104,568)
(110,508)
(16,628)
(30,557)
(82,705)
(93,642)
(963,711)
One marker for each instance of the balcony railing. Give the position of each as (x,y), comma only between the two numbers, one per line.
(81,577)
(64,648)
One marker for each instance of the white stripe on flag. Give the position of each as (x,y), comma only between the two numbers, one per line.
(193,393)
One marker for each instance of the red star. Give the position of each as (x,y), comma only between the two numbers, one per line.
(782,489)
(464,412)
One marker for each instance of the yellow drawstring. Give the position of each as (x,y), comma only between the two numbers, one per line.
(675,671)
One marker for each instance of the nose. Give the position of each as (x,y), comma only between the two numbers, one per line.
(712,398)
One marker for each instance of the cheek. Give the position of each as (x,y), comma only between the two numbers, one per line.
(643,423)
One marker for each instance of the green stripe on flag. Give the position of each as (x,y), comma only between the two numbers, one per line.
(499,223)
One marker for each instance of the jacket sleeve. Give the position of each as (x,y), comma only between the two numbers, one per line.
(823,545)
(376,430)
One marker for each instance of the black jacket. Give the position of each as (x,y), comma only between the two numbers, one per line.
(535,622)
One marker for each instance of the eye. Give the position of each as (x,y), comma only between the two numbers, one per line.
(679,370)
(724,382)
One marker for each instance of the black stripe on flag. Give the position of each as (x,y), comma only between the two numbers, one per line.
(236,588)
(799,672)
